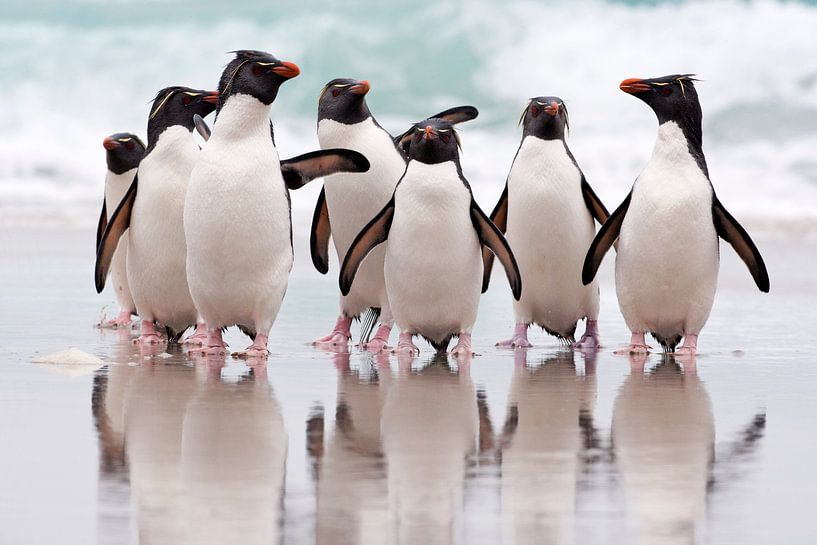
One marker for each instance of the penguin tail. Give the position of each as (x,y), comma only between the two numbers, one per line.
(367,323)
(174,336)
(667,343)
(248,331)
(441,347)
(565,337)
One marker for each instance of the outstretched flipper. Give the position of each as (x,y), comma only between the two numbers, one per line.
(490,236)
(594,204)
(457,114)
(500,218)
(375,232)
(120,221)
(732,232)
(319,237)
(201,127)
(605,238)
(103,222)
(302,169)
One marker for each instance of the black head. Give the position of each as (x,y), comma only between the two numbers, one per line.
(434,141)
(673,98)
(124,150)
(545,118)
(254,73)
(344,100)
(176,106)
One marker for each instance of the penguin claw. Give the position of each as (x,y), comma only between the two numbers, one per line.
(515,342)
(198,338)
(634,349)
(375,345)
(123,321)
(147,339)
(251,353)
(336,338)
(463,346)
(587,342)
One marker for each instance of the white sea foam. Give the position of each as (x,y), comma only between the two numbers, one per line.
(70,79)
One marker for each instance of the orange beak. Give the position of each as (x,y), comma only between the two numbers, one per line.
(360,88)
(110,144)
(287,69)
(552,109)
(634,85)
(211,97)
(430,133)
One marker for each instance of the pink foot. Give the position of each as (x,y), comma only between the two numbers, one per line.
(213,346)
(380,340)
(690,346)
(406,345)
(637,346)
(122,321)
(590,340)
(149,335)
(258,349)
(463,346)
(519,339)
(340,334)
(199,337)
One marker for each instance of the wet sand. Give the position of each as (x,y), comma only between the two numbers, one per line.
(536,446)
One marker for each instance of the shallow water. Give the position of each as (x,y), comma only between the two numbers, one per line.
(542,446)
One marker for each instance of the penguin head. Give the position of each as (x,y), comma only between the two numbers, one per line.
(545,118)
(254,73)
(672,98)
(176,106)
(344,100)
(434,141)
(123,151)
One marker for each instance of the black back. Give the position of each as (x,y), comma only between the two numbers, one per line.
(545,118)
(344,100)
(254,73)
(176,106)
(124,150)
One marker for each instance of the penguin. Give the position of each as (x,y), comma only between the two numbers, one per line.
(348,200)
(237,220)
(434,232)
(123,151)
(547,213)
(668,227)
(152,212)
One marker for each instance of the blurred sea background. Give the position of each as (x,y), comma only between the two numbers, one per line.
(74,71)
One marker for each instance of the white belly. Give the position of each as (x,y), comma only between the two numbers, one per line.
(549,230)
(237,222)
(433,262)
(116,185)
(156,246)
(667,260)
(353,199)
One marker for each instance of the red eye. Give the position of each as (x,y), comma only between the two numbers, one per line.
(129,145)
(257,70)
(534,111)
(335,92)
(187,99)
(665,91)
(445,137)
(417,136)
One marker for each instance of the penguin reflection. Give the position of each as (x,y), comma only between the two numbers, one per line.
(233,455)
(663,439)
(351,491)
(430,425)
(549,425)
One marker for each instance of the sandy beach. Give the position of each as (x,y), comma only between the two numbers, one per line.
(527,447)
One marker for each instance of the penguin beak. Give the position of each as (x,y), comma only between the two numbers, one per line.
(110,143)
(360,88)
(287,69)
(634,85)
(211,97)
(430,133)
(552,109)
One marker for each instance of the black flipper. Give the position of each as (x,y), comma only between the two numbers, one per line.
(103,222)
(490,236)
(120,221)
(604,240)
(500,218)
(319,237)
(300,170)
(732,232)
(375,232)
(594,204)
(201,127)
(457,114)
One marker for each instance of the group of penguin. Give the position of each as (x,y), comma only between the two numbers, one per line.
(202,236)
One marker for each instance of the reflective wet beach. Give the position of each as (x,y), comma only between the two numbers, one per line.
(542,446)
